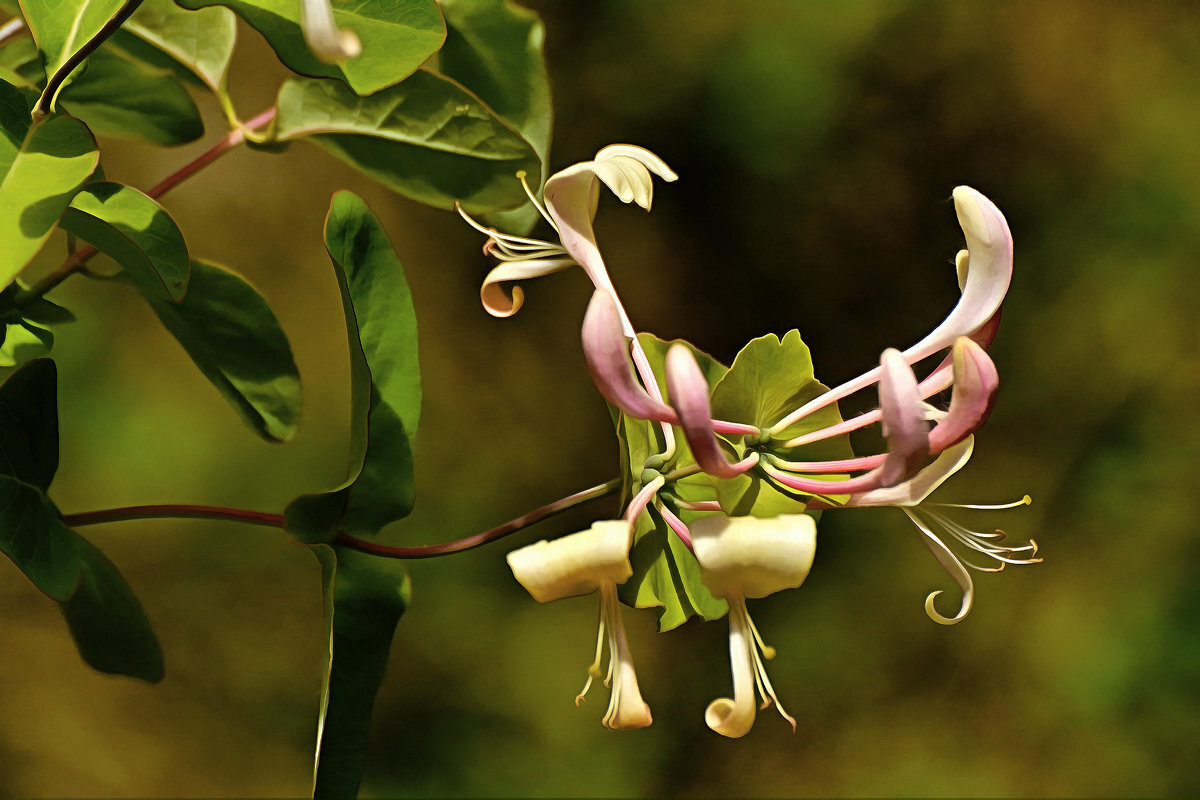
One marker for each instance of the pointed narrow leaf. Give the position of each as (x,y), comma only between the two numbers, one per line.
(30,531)
(198,44)
(365,596)
(494,48)
(397,37)
(61,28)
(136,232)
(107,621)
(41,167)
(385,382)
(231,333)
(427,138)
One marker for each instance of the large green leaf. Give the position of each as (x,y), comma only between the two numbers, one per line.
(23,317)
(107,622)
(198,44)
(494,48)
(397,37)
(115,96)
(665,573)
(428,138)
(385,382)
(136,232)
(365,597)
(230,332)
(41,167)
(769,378)
(30,531)
(61,28)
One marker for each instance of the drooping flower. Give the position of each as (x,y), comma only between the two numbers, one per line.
(748,557)
(327,42)
(595,560)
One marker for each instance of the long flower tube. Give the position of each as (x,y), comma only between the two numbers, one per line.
(595,560)
(747,557)
(606,350)
(327,42)
(989,245)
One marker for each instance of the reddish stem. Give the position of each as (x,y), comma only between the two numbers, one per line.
(231,140)
(172,511)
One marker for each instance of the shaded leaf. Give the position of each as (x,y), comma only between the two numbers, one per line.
(385,382)
(494,48)
(136,232)
(23,341)
(427,138)
(30,531)
(107,621)
(397,37)
(233,336)
(365,596)
(41,167)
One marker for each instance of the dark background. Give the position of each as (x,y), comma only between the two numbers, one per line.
(817,145)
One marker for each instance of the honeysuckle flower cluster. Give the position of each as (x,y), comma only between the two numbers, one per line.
(743,556)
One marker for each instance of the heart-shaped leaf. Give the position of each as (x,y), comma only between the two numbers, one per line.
(192,44)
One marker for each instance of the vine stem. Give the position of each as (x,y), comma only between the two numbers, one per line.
(172,512)
(75,261)
(374,548)
(470,542)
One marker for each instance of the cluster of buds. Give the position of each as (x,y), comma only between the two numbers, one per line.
(742,557)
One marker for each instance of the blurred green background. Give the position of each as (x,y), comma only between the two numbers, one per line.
(817,145)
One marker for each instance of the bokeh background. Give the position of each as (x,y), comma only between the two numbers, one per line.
(817,145)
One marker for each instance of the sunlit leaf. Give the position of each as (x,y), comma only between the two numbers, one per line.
(41,167)
(494,48)
(60,28)
(365,597)
(136,232)
(427,138)
(30,531)
(190,43)
(397,36)
(385,382)
(107,621)
(233,336)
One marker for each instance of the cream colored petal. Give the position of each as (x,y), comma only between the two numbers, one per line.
(627,710)
(920,486)
(734,716)
(327,42)
(752,557)
(576,564)
(500,304)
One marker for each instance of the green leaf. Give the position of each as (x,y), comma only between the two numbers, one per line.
(365,596)
(385,382)
(41,167)
(427,138)
(31,533)
(397,37)
(107,621)
(121,97)
(665,573)
(494,48)
(61,28)
(769,378)
(115,96)
(136,232)
(23,341)
(192,44)
(230,332)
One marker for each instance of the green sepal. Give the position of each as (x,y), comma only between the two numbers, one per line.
(428,138)
(385,382)
(108,623)
(232,335)
(136,232)
(769,378)
(31,533)
(365,596)
(397,36)
(41,168)
(495,49)
(666,575)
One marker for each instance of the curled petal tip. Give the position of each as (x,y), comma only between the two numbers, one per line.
(940,618)
(729,718)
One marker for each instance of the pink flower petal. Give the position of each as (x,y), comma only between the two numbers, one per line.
(607,352)
(688,392)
